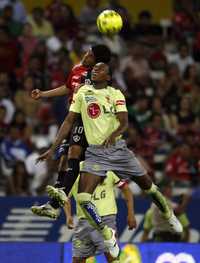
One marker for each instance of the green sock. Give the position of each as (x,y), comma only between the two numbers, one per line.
(106,232)
(159,200)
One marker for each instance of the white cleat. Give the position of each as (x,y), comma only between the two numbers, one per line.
(58,194)
(174,224)
(112,245)
(45,210)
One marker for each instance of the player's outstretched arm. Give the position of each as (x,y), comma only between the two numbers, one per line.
(60,91)
(128,196)
(61,135)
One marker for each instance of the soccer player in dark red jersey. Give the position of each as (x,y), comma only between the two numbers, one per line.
(80,74)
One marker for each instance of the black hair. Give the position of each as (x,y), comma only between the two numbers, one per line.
(101,53)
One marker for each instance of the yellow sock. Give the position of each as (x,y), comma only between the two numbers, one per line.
(106,232)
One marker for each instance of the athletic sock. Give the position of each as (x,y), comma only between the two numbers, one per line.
(71,174)
(90,211)
(159,200)
(66,179)
(61,179)
(106,232)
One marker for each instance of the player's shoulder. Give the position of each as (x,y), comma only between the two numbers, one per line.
(112,178)
(87,89)
(78,67)
(114,91)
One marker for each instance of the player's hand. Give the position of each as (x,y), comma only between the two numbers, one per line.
(45,156)
(110,140)
(70,222)
(131,220)
(36,94)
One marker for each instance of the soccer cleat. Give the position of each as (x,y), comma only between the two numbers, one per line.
(174,224)
(58,194)
(112,245)
(45,210)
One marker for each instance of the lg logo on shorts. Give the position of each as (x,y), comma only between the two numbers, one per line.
(179,258)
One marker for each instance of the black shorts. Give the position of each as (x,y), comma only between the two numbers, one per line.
(77,136)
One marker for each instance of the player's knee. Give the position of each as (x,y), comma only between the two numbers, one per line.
(83,198)
(153,188)
(74,152)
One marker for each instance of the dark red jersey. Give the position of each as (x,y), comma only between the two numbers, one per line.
(77,76)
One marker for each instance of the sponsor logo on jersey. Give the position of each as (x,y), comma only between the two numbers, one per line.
(90,99)
(120,102)
(93,110)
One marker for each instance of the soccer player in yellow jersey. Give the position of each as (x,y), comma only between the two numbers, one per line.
(105,118)
(87,241)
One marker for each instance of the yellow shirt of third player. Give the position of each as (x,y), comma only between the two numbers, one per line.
(98,108)
(103,197)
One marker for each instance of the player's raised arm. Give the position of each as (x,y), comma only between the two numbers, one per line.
(60,91)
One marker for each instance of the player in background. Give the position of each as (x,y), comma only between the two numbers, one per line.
(105,119)
(153,221)
(67,174)
(87,242)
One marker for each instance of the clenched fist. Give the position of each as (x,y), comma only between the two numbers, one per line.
(36,94)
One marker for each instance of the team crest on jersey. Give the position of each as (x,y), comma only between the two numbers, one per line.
(93,110)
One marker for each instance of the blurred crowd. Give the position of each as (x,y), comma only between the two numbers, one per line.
(156,65)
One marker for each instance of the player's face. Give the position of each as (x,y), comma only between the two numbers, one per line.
(89,59)
(100,73)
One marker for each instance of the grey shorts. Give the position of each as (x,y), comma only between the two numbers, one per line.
(117,158)
(87,241)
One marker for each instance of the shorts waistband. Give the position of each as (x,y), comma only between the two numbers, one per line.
(117,143)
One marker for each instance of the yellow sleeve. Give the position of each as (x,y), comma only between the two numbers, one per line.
(115,178)
(119,102)
(76,102)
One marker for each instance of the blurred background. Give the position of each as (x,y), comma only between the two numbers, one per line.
(155,62)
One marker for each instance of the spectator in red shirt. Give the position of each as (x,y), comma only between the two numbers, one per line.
(183,164)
